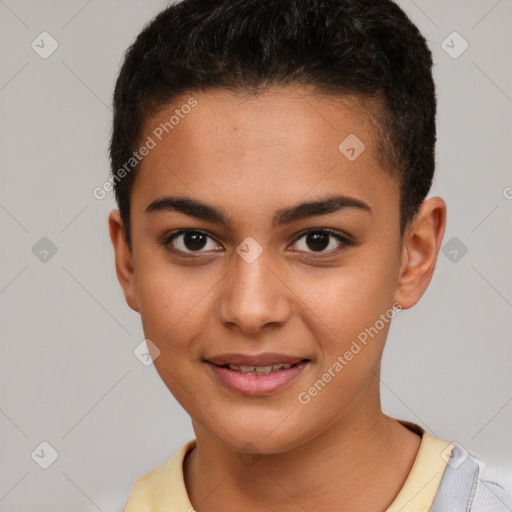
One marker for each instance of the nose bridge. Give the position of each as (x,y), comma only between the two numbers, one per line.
(252,295)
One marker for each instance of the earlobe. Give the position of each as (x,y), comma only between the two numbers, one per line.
(123,259)
(421,245)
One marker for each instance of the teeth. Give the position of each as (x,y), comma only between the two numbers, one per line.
(263,369)
(259,370)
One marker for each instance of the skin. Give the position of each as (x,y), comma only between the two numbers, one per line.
(251,156)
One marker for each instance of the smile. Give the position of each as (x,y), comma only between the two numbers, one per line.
(248,375)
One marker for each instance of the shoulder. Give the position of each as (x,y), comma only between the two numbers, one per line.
(163,487)
(144,492)
(468,484)
(491,493)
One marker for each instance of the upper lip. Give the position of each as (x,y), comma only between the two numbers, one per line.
(264,359)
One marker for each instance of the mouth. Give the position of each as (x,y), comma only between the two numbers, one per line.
(256,375)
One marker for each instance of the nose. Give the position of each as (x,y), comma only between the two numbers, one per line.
(254,296)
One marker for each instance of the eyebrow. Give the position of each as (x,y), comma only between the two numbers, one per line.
(303,210)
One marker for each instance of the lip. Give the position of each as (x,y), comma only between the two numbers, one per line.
(256,385)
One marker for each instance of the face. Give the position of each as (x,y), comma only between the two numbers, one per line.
(262,255)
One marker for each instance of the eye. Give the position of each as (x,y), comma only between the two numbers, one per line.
(319,239)
(189,241)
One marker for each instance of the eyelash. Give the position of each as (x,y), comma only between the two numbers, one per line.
(344,241)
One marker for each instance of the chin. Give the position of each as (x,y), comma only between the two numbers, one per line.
(249,439)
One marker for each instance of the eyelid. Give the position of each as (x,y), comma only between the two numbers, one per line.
(337,234)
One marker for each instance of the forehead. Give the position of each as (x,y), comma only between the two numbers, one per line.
(244,121)
(284,143)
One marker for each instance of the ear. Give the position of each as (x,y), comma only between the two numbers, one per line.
(421,245)
(124,260)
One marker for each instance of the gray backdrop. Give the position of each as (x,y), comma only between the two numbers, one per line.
(68,374)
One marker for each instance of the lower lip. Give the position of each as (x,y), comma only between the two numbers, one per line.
(255,385)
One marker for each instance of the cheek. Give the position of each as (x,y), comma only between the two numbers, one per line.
(347,299)
(169,297)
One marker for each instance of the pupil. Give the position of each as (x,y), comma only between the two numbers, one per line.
(317,240)
(194,240)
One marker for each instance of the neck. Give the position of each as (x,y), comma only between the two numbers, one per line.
(358,464)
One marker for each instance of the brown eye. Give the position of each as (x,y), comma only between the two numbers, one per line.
(190,241)
(194,240)
(318,240)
